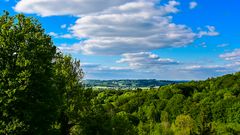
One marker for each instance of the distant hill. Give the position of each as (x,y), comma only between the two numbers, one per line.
(125,84)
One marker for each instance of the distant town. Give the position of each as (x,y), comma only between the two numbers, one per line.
(128,84)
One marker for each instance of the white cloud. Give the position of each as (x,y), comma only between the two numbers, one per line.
(53,34)
(211,32)
(69,36)
(132,27)
(203,44)
(233,56)
(222,45)
(99,67)
(63,26)
(205,71)
(146,60)
(212,68)
(65,7)
(149,65)
(173,72)
(218,69)
(66,36)
(71,49)
(135,66)
(114,27)
(193,5)
(98,71)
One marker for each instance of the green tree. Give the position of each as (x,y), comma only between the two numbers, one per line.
(122,125)
(27,96)
(68,80)
(174,106)
(184,125)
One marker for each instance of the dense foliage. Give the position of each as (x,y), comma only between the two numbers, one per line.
(40,89)
(204,107)
(41,93)
(26,89)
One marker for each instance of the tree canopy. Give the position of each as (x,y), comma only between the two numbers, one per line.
(38,86)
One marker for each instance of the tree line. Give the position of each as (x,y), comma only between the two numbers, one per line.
(128,84)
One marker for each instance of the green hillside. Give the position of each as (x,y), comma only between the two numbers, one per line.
(204,107)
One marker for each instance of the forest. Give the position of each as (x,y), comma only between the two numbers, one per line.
(42,93)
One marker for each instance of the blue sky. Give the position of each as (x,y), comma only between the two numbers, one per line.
(142,39)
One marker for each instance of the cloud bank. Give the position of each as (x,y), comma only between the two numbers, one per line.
(146,60)
(130,29)
(233,56)
(115,27)
(65,7)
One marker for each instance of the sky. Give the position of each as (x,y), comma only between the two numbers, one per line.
(142,39)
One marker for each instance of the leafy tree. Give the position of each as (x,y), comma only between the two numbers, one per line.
(27,95)
(184,125)
(68,80)
(233,113)
(226,128)
(175,106)
(122,125)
